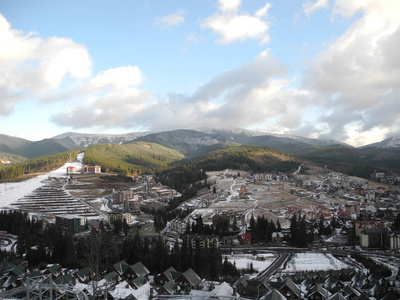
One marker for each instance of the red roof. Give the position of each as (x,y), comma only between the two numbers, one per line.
(245,236)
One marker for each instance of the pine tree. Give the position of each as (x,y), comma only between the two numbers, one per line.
(293,231)
(396,223)
(302,239)
(252,223)
(278,226)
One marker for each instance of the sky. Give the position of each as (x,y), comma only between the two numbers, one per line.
(314,68)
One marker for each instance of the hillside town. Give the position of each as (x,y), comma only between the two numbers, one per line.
(342,217)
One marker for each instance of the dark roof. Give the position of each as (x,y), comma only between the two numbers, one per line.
(308,283)
(274,295)
(389,296)
(140,269)
(54,269)
(138,282)
(65,279)
(337,296)
(363,297)
(241,281)
(168,272)
(18,270)
(331,280)
(83,274)
(111,277)
(292,286)
(191,276)
(175,275)
(121,267)
(318,288)
(348,290)
(11,281)
(169,286)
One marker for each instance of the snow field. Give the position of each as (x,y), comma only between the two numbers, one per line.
(242,261)
(301,262)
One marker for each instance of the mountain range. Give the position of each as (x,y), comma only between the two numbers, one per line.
(190,143)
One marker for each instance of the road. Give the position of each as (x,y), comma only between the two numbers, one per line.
(276,264)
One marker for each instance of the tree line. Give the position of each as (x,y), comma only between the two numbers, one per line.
(261,229)
(131,159)
(41,164)
(43,244)
(247,157)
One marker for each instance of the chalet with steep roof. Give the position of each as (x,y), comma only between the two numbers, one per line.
(188,279)
(85,275)
(167,289)
(165,276)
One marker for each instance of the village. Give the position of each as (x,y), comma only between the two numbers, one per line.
(362,212)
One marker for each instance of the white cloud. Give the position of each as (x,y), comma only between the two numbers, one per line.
(232,26)
(170,20)
(117,78)
(229,5)
(36,67)
(357,78)
(112,100)
(310,6)
(241,97)
(117,108)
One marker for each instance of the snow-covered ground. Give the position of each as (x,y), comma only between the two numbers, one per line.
(260,261)
(301,262)
(11,192)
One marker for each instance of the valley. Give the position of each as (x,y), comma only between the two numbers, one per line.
(255,206)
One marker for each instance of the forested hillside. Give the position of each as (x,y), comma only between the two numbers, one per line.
(41,164)
(131,158)
(247,157)
(355,162)
(12,158)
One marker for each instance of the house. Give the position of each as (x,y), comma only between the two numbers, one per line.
(350,292)
(54,270)
(144,292)
(167,289)
(66,279)
(140,270)
(138,282)
(245,239)
(110,279)
(337,296)
(165,276)
(84,275)
(222,290)
(91,169)
(188,279)
(318,293)
(274,295)
(72,170)
(121,291)
(290,289)
(123,270)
